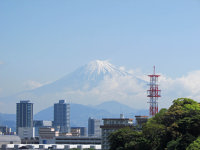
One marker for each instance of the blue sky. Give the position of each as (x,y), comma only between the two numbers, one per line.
(43,40)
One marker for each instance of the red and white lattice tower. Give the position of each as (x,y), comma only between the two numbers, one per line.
(153,93)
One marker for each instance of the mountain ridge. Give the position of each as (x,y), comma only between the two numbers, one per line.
(80,113)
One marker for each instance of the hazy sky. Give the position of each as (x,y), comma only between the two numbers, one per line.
(43,40)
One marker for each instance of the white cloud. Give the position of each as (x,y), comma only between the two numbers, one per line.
(130,91)
(1,62)
(29,85)
(185,86)
(126,90)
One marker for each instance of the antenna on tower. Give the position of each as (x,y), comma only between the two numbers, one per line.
(153,93)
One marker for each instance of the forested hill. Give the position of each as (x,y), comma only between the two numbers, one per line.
(177,128)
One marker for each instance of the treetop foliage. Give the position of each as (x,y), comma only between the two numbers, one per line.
(176,128)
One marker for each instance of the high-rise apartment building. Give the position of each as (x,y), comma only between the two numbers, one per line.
(94,127)
(62,116)
(24,114)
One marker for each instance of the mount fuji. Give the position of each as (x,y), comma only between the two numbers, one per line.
(86,77)
(91,84)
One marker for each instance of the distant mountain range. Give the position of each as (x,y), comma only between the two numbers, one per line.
(8,120)
(81,113)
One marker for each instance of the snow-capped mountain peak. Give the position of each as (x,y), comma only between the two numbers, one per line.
(88,76)
(100,66)
(103,67)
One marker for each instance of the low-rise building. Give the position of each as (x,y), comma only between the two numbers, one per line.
(47,135)
(9,139)
(33,140)
(41,123)
(26,132)
(110,125)
(76,132)
(50,146)
(94,127)
(140,120)
(77,140)
(5,130)
(83,130)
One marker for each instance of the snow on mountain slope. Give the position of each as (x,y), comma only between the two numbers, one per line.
(103,67)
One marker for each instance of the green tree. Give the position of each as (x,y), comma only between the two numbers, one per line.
(127,139)
(179,115)
(182,107)
(190,125)
(176,127)
(155,133)
(184,141)
(195,145)
(139,143)
(171,145)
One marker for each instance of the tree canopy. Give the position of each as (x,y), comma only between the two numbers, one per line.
(176,128)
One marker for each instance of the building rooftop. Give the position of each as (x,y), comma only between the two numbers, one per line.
(7,138)
(141,116)
(24,101)
(117,119)
(62,101)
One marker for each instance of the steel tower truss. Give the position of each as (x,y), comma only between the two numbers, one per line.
(153,93)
